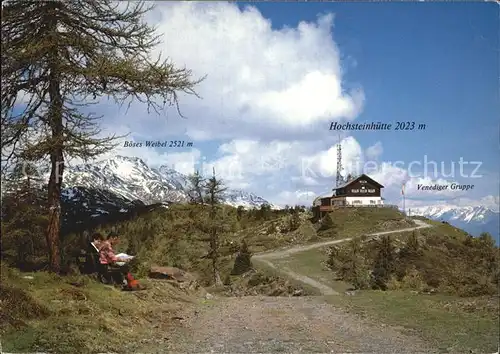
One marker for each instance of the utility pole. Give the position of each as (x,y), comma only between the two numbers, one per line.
(339,164)
(403,193)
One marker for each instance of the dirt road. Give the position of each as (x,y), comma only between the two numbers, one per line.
(267,257)
(264,324)
(286,252)
(285,325)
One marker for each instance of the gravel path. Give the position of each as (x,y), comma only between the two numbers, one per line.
(284,325)
(267,324)
(324,289)
(292,325)
(289,251)
(267,257)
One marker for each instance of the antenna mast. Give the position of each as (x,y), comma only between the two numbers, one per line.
(339,163)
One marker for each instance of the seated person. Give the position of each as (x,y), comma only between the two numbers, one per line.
(108,257)
(97,240)
(93,252)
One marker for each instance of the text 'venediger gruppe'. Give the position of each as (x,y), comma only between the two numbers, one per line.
(442,187)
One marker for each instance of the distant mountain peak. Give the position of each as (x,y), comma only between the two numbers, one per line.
(133,179)
(473,219)
(465,213)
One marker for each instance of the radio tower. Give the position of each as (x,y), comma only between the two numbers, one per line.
(339,164)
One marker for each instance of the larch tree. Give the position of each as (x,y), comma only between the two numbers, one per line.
(214,189)
(57,58)
(195,189)
(385,263)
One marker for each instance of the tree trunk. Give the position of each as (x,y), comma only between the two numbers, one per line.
(214,247)
(218,281)
(54,204)
(57,169)
(215,256)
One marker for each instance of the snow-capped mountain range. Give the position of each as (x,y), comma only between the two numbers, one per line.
(118,187)
(132,179)
(119,184)
(473,219)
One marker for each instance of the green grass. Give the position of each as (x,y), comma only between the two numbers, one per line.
(348,222)
(177,236)
(48,312)
(449,323)
(85,317)
(452,324)
(311,264)
(274,273)
(352,222)
(90,317)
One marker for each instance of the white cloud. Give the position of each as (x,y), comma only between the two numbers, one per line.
(305,180)
(245,160)
(317,96)
(182,161)
(393,178)
(270,93)
(389,175)
(260,81)
(323,163)
(490,201)
(414,188)
(374,151)
(291,198)
(299,163)
(23,97)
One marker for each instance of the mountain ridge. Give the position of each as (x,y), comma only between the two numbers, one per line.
(121,181)
(472,219)
(131,178)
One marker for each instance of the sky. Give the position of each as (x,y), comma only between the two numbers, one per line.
(278,75)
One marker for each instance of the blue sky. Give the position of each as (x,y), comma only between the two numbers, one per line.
(279,73)
(434,63)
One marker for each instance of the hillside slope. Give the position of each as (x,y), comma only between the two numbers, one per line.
(41,312)
(269,257)
(175,236)
(436,282)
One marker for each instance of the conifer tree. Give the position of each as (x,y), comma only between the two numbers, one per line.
(214,189)
(239,212)
(195,189)
(413,244)
(385,263)
(295,220)
(349,264)
(327,223)
(58,57)
(264,212)
(243,262)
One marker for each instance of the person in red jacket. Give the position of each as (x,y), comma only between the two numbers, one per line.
(107,253)
(108,256)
